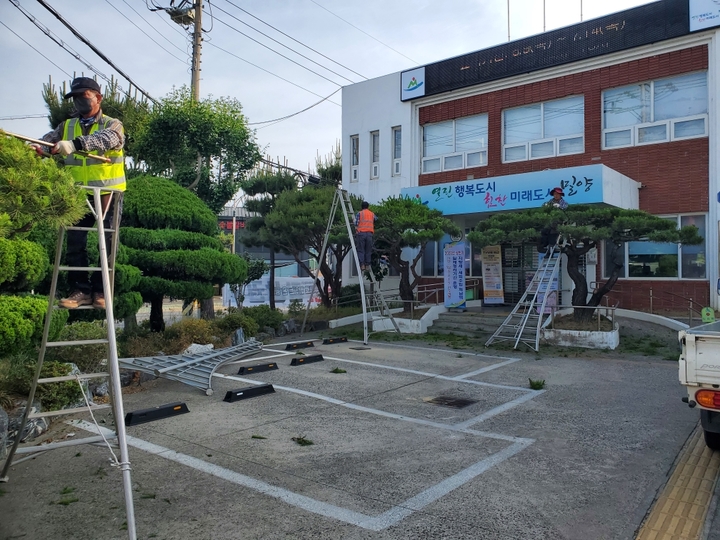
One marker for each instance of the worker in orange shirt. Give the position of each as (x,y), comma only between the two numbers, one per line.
(364,228)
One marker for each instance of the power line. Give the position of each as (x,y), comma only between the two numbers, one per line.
(34,49)
(59,41)
(363,31)
(144,32)
(269,72)
(275,120)
(273,50)
(282,44)
(22,117)
(295,40)
(156,30)
(94,49)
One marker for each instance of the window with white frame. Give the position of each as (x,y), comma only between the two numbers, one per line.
(645,260)
(354,157)
(455,144)
(542,130)
(656,111)
(374,154)
(396,150)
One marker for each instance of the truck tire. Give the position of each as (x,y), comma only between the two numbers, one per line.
(712,440)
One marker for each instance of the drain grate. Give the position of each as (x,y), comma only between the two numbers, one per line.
(449,401)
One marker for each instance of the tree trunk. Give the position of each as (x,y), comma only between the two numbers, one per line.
(130,324)
(207,309)
(271,284)
(406,290)
(157,321)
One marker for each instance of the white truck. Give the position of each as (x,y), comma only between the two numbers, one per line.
(699,368)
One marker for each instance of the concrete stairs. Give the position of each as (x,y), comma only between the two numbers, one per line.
(478,324)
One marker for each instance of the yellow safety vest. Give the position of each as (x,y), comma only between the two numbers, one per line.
(90,172)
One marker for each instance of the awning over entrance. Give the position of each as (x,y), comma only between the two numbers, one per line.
(587,184)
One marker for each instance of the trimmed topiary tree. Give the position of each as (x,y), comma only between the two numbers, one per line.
(171,236)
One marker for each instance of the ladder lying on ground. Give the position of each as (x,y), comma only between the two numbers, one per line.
(524,323)
(374,301)
(106,268)
(192,369)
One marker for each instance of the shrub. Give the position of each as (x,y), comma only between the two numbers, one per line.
(264,316)
(350,296)
(238,319)
(183,333)
(21,372)
(86,357)
(296,308)
(21,322)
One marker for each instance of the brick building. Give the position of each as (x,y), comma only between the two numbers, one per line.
(619,110)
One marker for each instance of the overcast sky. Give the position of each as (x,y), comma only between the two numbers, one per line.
(367,39)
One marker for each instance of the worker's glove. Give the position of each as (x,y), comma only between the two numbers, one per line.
(63,147)
(39,150)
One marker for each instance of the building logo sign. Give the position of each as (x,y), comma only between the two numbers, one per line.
(704,14)
(412,84)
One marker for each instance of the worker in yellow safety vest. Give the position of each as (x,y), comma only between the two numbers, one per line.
(89,131)
(364,230)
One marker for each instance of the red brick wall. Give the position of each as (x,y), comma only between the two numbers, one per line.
(668,297)
(674,175)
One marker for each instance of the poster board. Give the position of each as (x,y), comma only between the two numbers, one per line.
(454,274)
(492,276)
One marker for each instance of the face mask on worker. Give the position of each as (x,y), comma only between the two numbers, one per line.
(83,105)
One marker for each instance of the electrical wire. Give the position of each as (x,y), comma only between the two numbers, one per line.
(270,72)
(94,49)
(25,117)
(144,32)
(41,54)
(281,44)
(276,120)
(295,40)
(273,50)
(156,30)
(59,41)
(363,31)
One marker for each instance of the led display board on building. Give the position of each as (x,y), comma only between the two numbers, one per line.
(627,29)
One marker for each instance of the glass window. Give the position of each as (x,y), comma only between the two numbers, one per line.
(375,146)
(544,129)
(461,143)
(354,150)
(428,259)
(523,124)
(438,139)
(693,257)
(660,103)
(661,259)
(397,143)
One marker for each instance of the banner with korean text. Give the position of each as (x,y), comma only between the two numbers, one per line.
(454,274)
(492,275)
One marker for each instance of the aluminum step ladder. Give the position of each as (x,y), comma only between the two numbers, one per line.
(192,369)
(524,323)
(106,268)
(372,302)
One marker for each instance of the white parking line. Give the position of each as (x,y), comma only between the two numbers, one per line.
(373,523)
(386,414)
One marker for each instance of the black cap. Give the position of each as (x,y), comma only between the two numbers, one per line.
(80,84)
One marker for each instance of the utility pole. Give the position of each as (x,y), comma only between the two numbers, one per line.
(197,46)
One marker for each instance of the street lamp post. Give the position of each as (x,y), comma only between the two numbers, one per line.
(234,222)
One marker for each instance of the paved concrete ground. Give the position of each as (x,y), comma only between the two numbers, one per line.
(582,459)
